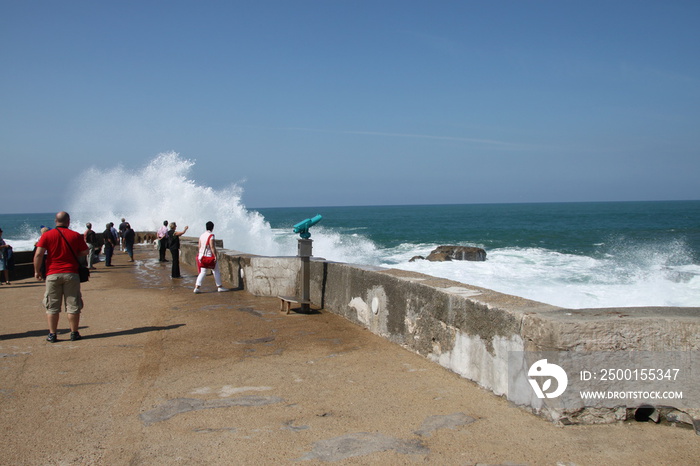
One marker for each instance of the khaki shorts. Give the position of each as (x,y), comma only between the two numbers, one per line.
(63,287)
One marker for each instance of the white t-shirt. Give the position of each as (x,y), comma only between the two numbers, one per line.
(203,241)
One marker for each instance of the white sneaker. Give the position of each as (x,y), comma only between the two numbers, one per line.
(222,289)
(197,291)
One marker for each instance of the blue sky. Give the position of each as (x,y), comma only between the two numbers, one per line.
(333,102)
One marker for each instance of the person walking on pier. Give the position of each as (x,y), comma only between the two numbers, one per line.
(129,237)
(91,240)
(122,229)
(62,246)
(162,235)
(207,249)
(174,246)
(115,234)
(110,242)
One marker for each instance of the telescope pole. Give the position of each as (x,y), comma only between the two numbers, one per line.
(304,252)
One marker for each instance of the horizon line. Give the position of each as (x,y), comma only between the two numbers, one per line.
(421,204)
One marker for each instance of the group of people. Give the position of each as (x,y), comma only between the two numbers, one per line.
(168,238)
(124,238)
(59,251)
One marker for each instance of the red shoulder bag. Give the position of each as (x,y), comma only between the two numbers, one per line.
(208,262)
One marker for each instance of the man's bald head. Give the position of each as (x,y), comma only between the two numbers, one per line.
(62,219)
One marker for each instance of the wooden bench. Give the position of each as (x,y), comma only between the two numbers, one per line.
(286,303)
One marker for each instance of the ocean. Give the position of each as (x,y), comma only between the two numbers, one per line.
(574,255)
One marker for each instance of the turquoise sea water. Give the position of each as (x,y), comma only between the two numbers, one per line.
(576,255)
(594,229)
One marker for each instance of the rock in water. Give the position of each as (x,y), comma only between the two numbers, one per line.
(458,253)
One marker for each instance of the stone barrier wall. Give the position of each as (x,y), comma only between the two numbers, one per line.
(24,265)
(472,331)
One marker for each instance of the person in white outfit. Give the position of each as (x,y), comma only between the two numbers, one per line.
(207,248)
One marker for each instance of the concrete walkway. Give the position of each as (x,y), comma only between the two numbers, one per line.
(164,376)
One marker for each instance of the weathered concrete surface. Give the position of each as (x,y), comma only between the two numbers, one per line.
(472,331)
(164,376)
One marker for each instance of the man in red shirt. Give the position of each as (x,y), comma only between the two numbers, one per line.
(62,247)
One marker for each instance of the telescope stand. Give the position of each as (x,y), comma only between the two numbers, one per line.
(304,253)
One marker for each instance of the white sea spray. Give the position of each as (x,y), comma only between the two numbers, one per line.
(163,190)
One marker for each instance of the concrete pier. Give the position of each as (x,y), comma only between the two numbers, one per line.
(479,333)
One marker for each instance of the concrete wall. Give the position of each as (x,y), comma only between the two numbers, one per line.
(470,330)
(24,265)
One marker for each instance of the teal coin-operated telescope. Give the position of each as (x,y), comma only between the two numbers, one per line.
(303,227)
(304,253)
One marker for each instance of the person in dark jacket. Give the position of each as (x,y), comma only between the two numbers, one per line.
(129,238)
(174,246)
(110,242)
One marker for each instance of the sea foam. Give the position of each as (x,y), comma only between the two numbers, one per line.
(640,278)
